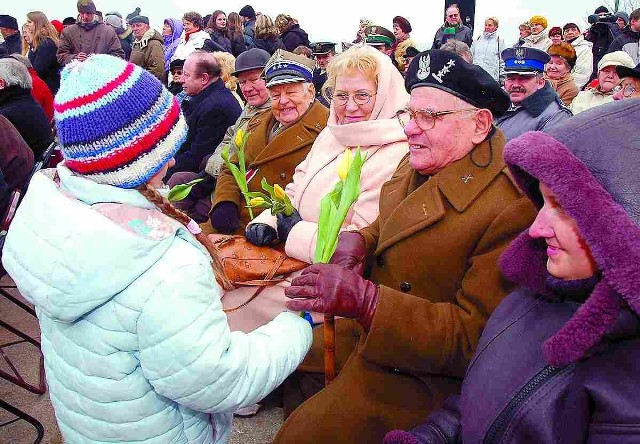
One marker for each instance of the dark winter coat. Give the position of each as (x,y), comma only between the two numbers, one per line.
(463,33)
(319,79)
(558,360)
(294,37)
(126,40)
(20,108)
(13,44)
(249,31)
(96,38)
(221,39)
(601,34)
(629,42)
(16,158)
(539,111)
(44,61)
(209,115)
(269,45)
(238,45)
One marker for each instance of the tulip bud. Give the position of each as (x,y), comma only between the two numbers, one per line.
(279,193)
(344,165)
(256,201)
(239,138)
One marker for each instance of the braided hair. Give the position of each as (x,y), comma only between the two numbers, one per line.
(169,210)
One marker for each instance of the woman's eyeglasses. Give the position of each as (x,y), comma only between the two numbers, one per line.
(359,98)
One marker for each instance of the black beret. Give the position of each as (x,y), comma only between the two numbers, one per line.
(449,72)
(177,63)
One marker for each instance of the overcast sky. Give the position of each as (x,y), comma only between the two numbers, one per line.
(336,20)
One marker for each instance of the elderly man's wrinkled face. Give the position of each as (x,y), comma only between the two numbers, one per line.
(139,29)
(86,17)
(607,79)
(253,87)
(453,16)
(289,102)
(449,139)
(520,86)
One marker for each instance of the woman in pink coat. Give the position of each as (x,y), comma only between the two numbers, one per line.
(366,91)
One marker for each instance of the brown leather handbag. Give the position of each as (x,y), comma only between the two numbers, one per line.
(247,264)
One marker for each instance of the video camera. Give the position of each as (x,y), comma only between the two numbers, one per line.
(604,18)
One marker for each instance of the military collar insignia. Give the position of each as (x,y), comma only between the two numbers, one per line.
(424,68)
(444,71)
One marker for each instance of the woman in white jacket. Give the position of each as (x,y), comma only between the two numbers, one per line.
(487,48)
(136,345)
(193,36)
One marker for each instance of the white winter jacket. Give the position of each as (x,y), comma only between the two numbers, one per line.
(186,47)
(136,345)
(486,53)
(584,61)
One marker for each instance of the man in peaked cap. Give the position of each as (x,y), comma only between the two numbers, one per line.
(534,104)
(452,209)
(380,38)
(322,52)
(88,36)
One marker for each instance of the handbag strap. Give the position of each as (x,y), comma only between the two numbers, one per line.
(268,278)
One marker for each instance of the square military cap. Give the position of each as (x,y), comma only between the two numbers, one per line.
(321,48)
(526,61)
(286,67)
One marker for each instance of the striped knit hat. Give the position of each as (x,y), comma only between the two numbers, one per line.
(116,123)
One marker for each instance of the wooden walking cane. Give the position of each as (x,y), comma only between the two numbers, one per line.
(329,330)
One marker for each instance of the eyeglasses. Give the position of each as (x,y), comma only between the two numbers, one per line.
(426,118)
(627,90)
(453,15)
(359,98)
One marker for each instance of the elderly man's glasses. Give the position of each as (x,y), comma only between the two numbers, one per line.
(426,118)
(359,98)
(627,90)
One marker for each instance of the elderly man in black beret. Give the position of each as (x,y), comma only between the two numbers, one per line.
(422,280)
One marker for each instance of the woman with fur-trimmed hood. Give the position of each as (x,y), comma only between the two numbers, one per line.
(567,343)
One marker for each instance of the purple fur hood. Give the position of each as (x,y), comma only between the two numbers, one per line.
(591,162)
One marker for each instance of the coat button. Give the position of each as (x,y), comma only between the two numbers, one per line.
(379,261)
(283,176)
(405,287)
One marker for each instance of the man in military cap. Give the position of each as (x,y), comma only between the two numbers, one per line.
(322,52)
(451,208)
(380,38)
(534,104)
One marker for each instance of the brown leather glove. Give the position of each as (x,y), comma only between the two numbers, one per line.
(328,288)
(350,252)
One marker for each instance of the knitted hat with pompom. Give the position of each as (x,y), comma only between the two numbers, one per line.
(116,123)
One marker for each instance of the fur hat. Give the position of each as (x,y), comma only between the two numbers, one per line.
(116,123)
(403,23)
(555,31)
(564,50)
(539,20)
(86,6)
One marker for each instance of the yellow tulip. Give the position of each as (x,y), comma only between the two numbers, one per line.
(345,164)
(279,192)
(239,138)
(256,201)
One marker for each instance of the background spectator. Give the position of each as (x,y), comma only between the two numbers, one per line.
(538,38)
(146,50)
(236,35)
(291,33)
(266,35)
(583,68)
(125,34)
(248,17)
(558,71)
(629,40)
(487,48)
(525,31)
(452,29)
(459,48)
(39,90)
(171,32)
(555,34)
(43,48)
(11,34)
(217,29)
(193,37)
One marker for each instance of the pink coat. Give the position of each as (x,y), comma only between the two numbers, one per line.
(382,139)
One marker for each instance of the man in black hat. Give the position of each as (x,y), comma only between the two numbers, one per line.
(534,104)
(9,30)
(322,52)
(451,208)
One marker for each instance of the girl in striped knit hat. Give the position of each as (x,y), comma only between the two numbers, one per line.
(136,345)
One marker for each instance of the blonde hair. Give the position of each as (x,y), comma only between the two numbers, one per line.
(265,28)
(284,21)
(227,64)
(494,20)
(360,58)
(43,29)
(162,204)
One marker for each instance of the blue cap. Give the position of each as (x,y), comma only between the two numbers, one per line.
(524,60)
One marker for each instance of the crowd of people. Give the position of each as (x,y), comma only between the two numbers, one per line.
(484,279)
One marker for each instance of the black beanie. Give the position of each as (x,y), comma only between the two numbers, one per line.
(601,9)
(247,11)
